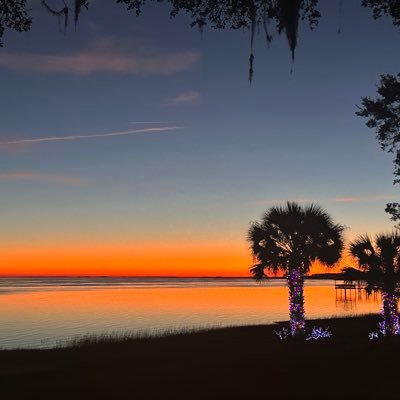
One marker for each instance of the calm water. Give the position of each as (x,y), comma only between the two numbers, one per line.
(41,312)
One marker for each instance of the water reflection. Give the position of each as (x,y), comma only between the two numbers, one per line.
(349,299)
(34,315)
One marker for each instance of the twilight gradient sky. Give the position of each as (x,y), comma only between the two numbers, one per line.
(177,200)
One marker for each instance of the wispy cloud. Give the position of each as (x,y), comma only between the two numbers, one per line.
(184,98)
(345,199)
(105,55)
(352,199)
(97,135)
(283,201)
(16,175)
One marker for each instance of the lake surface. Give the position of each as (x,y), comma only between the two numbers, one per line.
(41,312)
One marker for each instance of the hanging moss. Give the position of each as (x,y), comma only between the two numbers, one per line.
(282,15)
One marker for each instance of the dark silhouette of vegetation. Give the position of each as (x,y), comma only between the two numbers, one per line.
(384,7)
(13,15)
(290,239)
(379,262)
(350,275)
(236,363)
(383,115)
(280,16)
(64,11)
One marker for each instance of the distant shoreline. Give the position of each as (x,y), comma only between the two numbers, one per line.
(313,276)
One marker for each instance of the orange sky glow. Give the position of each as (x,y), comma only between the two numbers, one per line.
(155,259)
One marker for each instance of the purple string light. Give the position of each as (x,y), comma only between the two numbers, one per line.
(389,314)
(296,302)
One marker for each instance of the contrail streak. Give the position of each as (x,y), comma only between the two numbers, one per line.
(98,135)
(153,122)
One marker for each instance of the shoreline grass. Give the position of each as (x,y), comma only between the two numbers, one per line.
(245,362)
(123,337)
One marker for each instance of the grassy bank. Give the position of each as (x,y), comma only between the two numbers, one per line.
(231,363)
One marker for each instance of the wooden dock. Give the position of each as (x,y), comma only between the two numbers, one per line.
(342,287)
(346,286)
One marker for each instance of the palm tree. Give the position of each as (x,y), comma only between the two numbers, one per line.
(351,275)
(380,262)
(290,239)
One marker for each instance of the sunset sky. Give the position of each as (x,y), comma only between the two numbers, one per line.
(136,146)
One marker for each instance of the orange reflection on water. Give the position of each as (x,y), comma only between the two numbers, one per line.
(29,317)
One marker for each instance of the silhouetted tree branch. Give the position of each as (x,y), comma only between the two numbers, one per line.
(64,11)
(384,7)
(283,15)
(13,15)
(383,115)
(245,14)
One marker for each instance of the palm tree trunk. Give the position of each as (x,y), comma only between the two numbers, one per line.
(296,302)
(389,314)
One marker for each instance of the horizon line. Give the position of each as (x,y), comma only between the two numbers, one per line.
(153,276)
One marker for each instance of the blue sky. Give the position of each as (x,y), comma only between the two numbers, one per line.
(237,149)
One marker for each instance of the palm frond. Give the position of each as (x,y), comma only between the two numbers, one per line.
(294,236)
(257,270)
(364,252)
(379,259)
(351,274)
